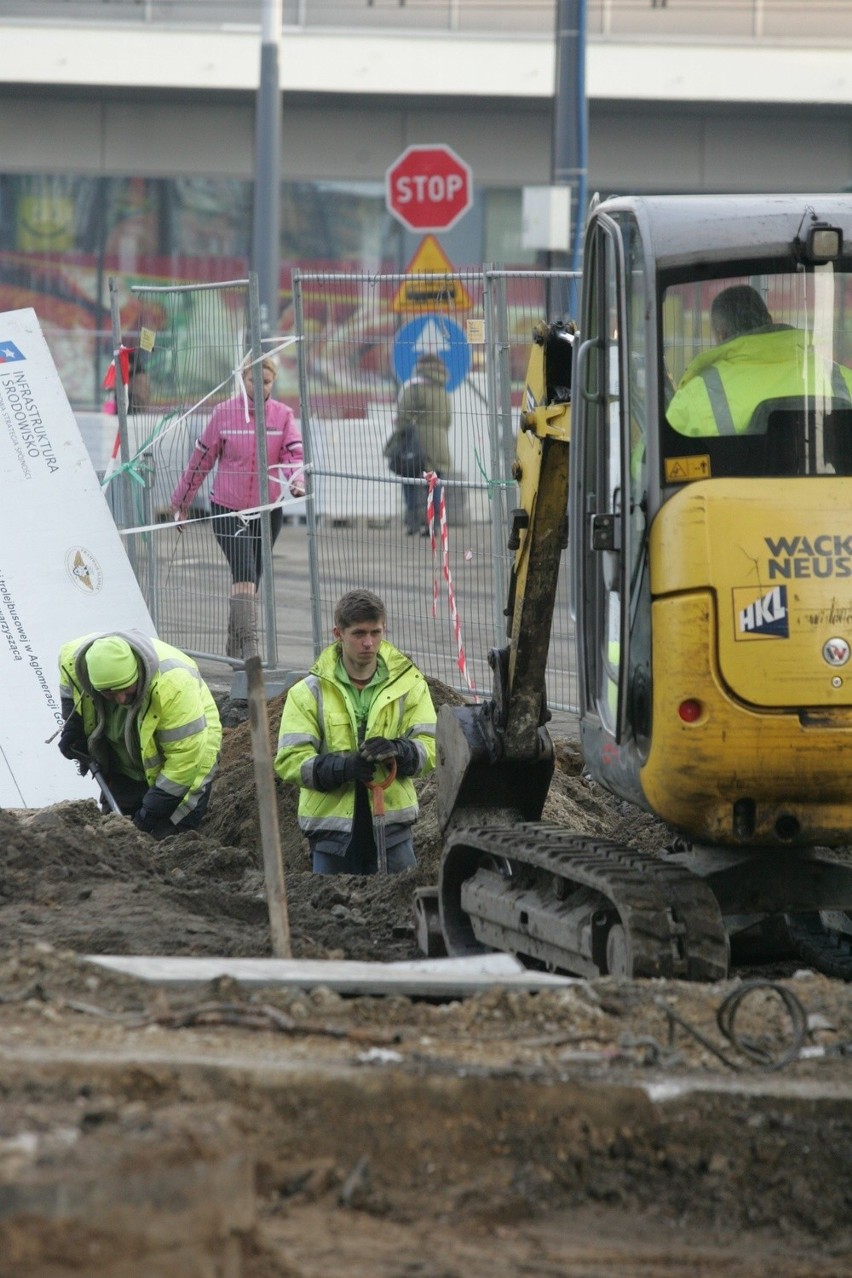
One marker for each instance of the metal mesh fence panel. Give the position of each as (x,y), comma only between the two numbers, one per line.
(193,341)
(361,338)
(439,592)
(358,340)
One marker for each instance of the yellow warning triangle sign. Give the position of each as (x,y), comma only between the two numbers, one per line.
(433,285)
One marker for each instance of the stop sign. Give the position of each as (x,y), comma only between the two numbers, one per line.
(429,188)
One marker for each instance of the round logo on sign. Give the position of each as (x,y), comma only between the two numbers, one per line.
(836,651)
(84,570)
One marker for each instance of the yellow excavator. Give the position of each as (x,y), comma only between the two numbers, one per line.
(711,596)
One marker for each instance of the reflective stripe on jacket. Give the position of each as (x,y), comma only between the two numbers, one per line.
(319,718)
(228,442)
(723,386)
(173,726)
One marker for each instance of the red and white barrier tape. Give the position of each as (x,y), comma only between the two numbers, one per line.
(113,460)
(432,481)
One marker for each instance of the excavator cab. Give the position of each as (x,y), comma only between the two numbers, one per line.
(710,544)
(710,490)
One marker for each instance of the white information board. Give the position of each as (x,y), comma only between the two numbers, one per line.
(63,568)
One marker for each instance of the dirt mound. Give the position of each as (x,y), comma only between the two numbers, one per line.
(372,1127)
(81,882)
(94,884)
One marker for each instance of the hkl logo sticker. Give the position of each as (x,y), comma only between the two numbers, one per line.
(765,617)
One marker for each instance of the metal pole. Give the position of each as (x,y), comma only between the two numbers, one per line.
(267,168)
(266,581)
(148,472)
(570,128)
(500,461)
(122,508)
(318,634)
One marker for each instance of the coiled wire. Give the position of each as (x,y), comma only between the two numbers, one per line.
(761,1052)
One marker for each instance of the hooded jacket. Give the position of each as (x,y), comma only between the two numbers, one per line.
(229,439)
(173,728)
(319,719)
(425,404)
(723,386)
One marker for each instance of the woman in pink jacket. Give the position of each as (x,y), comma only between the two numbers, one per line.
(228,442)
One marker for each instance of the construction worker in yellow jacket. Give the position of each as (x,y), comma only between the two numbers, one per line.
(363,704)
(754,361)
(139,708)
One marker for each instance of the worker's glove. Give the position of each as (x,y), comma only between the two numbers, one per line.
(378,748)
(156,807)
(144,821)
(334,770)
(399,748)
(73,741)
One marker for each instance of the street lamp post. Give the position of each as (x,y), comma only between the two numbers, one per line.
(267,167)
(570,117)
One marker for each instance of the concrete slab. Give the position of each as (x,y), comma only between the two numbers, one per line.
(274,683)
(419,978)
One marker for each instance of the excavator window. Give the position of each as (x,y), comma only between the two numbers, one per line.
(756,377)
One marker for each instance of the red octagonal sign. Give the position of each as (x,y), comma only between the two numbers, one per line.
(429,188)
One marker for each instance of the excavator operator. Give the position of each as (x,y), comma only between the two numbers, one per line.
(755,360)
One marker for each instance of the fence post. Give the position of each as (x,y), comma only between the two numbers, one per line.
(319,639)
(153,591)
(122,508)
(495,339)
(262,473)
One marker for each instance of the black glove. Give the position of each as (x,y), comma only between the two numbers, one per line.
(379,749)
(334,770)
(400,748)
(144,821)
(157,806)
(73,741)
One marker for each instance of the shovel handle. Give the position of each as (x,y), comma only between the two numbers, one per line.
(95,768)
(378,788)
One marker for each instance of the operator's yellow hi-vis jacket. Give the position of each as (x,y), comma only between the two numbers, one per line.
(319,718)
(173,728)
(723,386)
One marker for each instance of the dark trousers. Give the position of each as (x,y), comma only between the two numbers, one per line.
(401,857)
(241,542)
(360,856)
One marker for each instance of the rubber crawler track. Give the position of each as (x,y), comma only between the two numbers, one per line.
(828,951)
(672,918)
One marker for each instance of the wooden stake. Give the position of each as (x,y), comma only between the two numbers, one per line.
(267,803)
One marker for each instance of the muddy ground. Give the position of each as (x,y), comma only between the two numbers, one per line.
(605,1127)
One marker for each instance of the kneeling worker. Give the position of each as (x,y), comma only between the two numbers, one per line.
(363,705)
(141,710)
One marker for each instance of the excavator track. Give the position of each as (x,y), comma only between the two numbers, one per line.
(819,940)
(578,904)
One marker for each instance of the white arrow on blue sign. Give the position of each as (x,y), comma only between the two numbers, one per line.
(432,334)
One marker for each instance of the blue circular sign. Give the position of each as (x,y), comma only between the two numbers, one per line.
(432,334)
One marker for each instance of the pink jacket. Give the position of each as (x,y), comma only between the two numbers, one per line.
(229,440)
